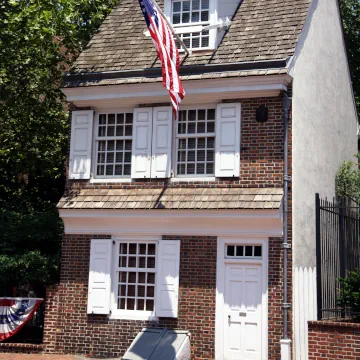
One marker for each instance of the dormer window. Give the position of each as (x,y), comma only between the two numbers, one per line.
(189,17)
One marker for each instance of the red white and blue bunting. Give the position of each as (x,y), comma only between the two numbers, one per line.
(15,313)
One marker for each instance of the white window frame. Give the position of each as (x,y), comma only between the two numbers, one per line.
(195,27)
(131,314)
(96,138)
(174,162)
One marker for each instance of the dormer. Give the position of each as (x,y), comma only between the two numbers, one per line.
(200,23)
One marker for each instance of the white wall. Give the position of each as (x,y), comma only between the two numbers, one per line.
(324,135)
(225,9)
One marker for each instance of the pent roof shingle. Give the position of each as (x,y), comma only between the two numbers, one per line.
(174,198)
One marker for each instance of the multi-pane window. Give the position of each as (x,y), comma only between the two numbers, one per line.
(114,144)
(136,276)
(195,142)
(192,12)
(239,251)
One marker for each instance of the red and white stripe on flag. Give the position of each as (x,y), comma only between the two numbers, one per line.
(15,313)
(168,53)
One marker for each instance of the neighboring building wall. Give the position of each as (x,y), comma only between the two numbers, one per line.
(324,135)
(334,340)
(70,330)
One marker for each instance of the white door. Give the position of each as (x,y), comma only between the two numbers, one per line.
(242,312)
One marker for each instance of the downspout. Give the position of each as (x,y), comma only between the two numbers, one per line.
(285,342)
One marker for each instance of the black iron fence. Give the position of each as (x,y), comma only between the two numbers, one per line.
(337,252)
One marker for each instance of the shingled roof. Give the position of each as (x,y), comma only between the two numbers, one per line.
(260,30)
(174,198)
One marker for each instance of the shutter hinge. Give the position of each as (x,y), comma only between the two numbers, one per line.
(113,242)
(110,312)
(286,246)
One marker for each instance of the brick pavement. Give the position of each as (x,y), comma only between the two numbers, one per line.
(10,356)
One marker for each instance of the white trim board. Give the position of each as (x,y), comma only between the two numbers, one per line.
(201,91)
(150,94)
(220,288)
(265,223)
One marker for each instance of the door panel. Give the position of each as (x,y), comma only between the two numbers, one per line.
(242,325)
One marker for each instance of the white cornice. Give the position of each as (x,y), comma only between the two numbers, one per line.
(173,222)
(196,90)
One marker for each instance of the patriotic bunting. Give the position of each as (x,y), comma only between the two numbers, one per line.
(15,313)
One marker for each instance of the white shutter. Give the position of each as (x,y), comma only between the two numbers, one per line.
(80,144)
(99,277)
(167,280)
(161,142)
(141,149)
(227,158)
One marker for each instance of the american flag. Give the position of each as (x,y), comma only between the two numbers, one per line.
(167,51)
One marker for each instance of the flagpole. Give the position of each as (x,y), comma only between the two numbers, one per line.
(171,28)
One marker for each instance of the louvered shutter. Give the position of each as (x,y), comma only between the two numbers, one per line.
(167,280)
(99,277)
(227,158)
(141,146)
(80,144)
(161,142)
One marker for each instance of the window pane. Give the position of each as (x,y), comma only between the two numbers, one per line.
(205,42)
(204,4)
(204,16)
(102,119)
(211,127)
(258,251)
(109,169)
(136,288)
(201,114)
(149,305)
(111,119)
(195,161)
(120,119)
(176,6)
(211,114)
(114,126)
(185,18)
(230,250)
(195,4)
(100,170)
(186,6)
(239,251)
(195,17)
(248,250)
(176,18)
(195,42)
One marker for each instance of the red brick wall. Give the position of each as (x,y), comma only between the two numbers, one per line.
(69,330)
(334,340)
(75,332)
(261,155)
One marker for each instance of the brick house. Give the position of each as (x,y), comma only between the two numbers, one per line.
(180,224)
